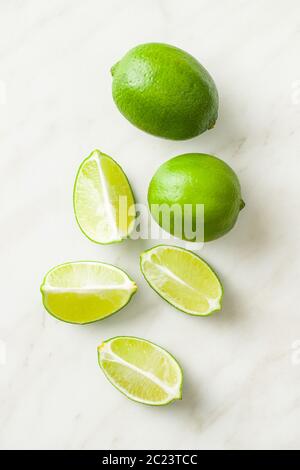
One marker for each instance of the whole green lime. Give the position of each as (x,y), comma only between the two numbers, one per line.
(165,91)
(188,181)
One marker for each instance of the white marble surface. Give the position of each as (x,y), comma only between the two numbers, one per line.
(242,375)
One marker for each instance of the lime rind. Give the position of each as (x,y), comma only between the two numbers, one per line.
(133,289)
(184,93)
(96,154)
(215,305)
(172,397)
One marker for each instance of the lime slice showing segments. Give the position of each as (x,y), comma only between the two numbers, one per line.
(182,279)
(86,291)
(103,200)
(141,370)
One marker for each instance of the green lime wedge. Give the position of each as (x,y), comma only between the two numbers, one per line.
(141,370)
(103,200)
(182,279)
(86,291)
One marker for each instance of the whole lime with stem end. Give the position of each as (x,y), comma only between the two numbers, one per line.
(165,91)
(194,179)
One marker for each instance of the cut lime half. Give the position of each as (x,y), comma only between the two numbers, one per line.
(86,291)
(183,279)
(103,200)
(141,370)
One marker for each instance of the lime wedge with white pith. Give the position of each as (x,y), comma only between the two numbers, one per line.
(103,200)
(183,279)
(141,370)
(85,291)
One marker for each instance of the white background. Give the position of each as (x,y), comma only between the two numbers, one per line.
(242,370)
